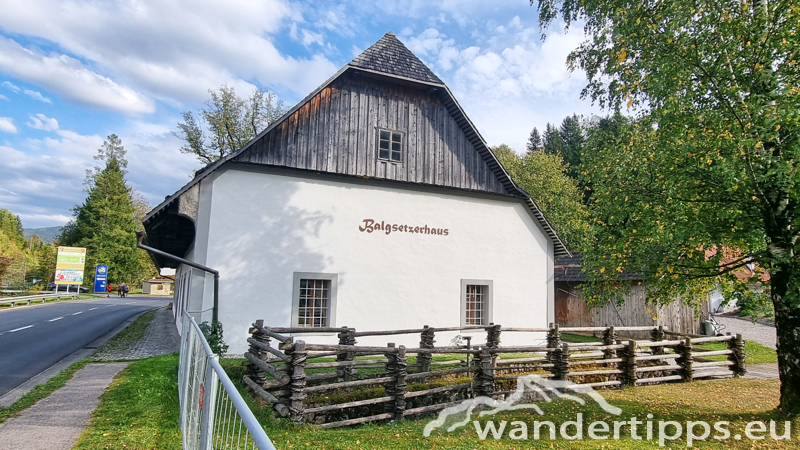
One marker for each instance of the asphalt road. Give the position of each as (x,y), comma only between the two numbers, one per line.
(33,338)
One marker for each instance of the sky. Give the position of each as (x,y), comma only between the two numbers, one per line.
(72,72)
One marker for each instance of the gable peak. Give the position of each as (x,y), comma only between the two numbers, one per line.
(391,57)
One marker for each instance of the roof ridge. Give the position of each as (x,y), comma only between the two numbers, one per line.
(390,56)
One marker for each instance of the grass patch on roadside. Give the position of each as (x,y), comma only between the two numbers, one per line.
(132,334)
(755,353)
(140,409)
(570,337)
(41,391)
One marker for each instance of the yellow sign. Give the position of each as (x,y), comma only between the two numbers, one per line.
(69,265)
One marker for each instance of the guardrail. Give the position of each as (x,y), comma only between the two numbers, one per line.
(42,297)
(213,413)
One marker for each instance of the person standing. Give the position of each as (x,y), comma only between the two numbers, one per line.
(124,289)
(110,289)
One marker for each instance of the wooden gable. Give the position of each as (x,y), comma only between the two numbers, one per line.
(336,131)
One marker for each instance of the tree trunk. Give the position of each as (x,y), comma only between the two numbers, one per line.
(785,287)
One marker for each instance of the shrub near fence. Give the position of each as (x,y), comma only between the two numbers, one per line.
(348,384)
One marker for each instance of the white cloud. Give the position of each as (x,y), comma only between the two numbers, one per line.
(70,79)
(36,95)
(172,51)
(3,97)
(7,125)
(42,122)
(11,86)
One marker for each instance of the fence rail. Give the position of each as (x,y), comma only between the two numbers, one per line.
(213,413)
(43,297)
(300,385)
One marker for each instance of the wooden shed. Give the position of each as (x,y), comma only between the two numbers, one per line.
(572,311)
(158,286)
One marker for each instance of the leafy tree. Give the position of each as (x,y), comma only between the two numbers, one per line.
(706,180)
(572,137)
(229,120)
(544,177)
(104,223)
(551,141)
(534,141)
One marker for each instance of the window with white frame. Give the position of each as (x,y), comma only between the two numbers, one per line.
(390,145)
(314,300)
(476,302)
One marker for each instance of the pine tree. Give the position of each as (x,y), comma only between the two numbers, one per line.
(572,136)
(551,141)
(534,141)
(104,223)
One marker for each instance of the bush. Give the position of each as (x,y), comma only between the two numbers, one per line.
(213,334)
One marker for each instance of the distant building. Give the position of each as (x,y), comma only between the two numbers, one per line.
(374,203)
(156,286)
(571,310)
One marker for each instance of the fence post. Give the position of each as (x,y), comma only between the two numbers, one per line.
(425,341)
(738,357)
(609,338)
(298,383)
(656,335)
(561,365)
(685,360)
(554,337)
(253,371)
(631,364)
(390,386)
(400,384)
(346,337)
(487,374)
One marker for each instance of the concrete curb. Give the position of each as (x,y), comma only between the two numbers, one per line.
(86,351)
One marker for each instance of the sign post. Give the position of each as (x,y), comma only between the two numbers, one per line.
(100,278)
(69,266)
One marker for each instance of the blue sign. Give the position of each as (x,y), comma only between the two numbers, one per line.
(100,278)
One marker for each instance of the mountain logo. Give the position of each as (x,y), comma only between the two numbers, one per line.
(528,387)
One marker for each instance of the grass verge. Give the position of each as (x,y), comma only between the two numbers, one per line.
(755,352)
(132,334)
(139,410)
(41,391)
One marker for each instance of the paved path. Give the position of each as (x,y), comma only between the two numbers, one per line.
(161,338)
(762,371)
(764,334)
(57,421)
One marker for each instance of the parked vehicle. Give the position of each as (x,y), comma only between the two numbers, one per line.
(52,287)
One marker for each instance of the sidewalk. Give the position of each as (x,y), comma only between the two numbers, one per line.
(57,421)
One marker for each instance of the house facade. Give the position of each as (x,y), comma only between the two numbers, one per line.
(374,203)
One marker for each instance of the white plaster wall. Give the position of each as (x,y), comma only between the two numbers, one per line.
(264,227)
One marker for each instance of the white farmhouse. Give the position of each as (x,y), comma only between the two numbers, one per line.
(374,203)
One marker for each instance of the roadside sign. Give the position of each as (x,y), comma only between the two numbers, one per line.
(100,278)
(69,265)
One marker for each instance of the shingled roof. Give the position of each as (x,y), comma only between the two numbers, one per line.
(390,56)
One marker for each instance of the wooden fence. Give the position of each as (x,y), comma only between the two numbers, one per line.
(301,380)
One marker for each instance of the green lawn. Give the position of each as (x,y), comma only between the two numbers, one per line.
(755,352)
(139,410)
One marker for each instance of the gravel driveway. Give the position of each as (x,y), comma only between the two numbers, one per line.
(763,333)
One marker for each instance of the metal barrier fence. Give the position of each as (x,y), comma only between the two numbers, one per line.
(213,413)
(43,297)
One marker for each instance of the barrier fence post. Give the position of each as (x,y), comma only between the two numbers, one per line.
(609,338)
(400,384)
(426,340)
(685,360)
(346,337)
(256,374)
(207,405)
(391,371)
(298,383)
(738,357)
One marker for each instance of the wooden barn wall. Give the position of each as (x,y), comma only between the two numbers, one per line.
(337,132)
(572,311)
